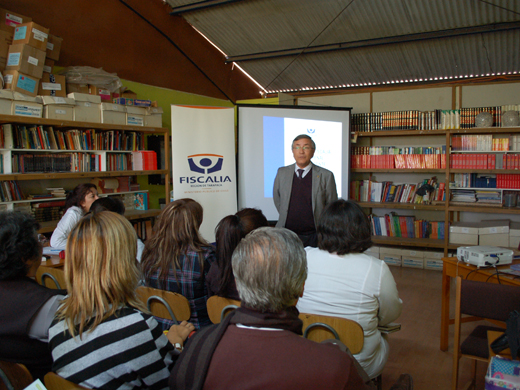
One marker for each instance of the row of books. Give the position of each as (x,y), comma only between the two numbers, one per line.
(384,150)
(82,162)
(485,161)
(63,162)
(10,190)
(393,225)
(45,137)
(388,192)
(484,143)
(394,120)
(399,161)
(473,180)
(463,118)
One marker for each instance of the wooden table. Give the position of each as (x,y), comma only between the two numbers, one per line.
(453,268)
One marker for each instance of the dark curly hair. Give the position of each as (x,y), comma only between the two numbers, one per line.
(18,243)
(343,228)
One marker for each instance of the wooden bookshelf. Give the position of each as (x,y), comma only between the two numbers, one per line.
(71,125)
(450,210)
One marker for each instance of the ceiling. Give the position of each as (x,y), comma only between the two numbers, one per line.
(295,46)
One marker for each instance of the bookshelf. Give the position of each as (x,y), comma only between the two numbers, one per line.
(111,151)
(445,211)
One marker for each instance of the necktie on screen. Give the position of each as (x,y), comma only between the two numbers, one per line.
(300,173)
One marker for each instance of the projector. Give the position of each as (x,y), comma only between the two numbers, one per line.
(484,256)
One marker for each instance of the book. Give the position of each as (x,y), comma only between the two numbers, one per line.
(141,201)
(389,328)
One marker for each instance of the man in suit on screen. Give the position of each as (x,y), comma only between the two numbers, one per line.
(302,190)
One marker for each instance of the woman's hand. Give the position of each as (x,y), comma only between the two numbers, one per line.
(179,333)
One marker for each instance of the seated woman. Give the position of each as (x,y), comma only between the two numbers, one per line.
(115,205)
(176,258)
(101,337)
(26,308)
(77,204)
(230,231)
(344,282)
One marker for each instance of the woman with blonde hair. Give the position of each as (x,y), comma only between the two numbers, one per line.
(101,336)
(176,258)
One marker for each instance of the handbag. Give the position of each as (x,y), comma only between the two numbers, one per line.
(511,337)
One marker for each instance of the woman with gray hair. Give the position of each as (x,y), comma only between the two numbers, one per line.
(262,337)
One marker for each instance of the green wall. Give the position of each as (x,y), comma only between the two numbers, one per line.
(165,98)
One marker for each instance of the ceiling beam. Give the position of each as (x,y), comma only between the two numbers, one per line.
(198,6)
(488,28)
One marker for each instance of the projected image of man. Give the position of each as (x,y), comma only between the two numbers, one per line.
(302,190)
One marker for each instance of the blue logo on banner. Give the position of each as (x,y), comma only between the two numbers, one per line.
(205,163)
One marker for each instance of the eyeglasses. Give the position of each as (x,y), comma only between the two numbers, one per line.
(302,147)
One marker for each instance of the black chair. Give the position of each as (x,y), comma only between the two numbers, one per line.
(489,301)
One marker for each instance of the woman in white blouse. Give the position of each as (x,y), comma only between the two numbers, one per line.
(77,204)
(344,282)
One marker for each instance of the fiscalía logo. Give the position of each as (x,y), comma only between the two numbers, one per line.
(205,163)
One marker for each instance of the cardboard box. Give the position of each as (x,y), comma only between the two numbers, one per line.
(87,107)
(24,105)
(373,251)
(54,47)
(412,253)
(26,59)
(494,227)
(106,95)
(412,262)
(5,41)
(142,103)
(433,255)
(55,107)
(18,82)
(128,94)
(114,114)
(500,240)
(153,118)
(494,233)
(48,65)
(6,100)
(465,233)
(31,34)
(9,20)
(135,115)
(514,235)
(52,85)
(77,88)
(391,256)
(123,101)
(433,264)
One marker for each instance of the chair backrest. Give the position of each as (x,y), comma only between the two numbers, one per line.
(53,381)
(14,376)
(219,307)
(319,328)
(165,304)
(51,277)
(488,300)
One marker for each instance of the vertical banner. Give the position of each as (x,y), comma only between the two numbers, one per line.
(203,161)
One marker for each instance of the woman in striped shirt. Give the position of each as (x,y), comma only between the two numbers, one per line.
(101,338)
